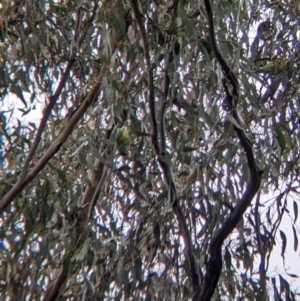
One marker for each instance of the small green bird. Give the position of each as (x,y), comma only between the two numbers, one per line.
(123,141)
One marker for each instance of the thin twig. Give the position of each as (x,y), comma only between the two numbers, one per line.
(224,66)
(261,251)
(91,195)
(164,103)
(105,174)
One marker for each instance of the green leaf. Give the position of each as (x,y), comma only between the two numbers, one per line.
(295,239)
(284,285)
(188,149)
(227,258)
(293,275)
(81,254)
(274,171)
(280,137)
(295,206)
(283,242)
(233,121)
(165,159)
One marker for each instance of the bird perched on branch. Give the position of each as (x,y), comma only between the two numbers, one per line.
(123,141)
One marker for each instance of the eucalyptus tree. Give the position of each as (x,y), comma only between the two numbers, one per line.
(205,92)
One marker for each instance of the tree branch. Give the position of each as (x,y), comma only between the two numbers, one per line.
(24,179)
(224,66)
(52,102)
(53,98)
(151,98)
(214,264)
(88,202)
(92,192)
(160,148)
(54,148)
(261,250)
(53,290)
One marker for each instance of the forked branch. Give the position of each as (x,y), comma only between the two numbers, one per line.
(55,146)
(24,179)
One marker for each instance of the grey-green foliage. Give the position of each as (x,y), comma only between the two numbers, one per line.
(133,250)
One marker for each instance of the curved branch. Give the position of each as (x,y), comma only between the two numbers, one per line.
(151,99)
(160,148)
(214,264)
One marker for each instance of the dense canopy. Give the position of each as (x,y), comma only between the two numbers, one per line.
(164,163)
